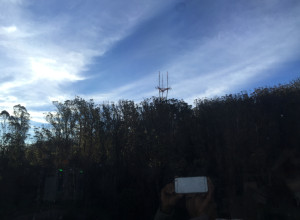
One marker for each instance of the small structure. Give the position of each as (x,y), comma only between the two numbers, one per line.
(161,88)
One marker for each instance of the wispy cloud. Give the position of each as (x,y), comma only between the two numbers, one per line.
(241,51)
(47,46)
(8,30)
(54,50)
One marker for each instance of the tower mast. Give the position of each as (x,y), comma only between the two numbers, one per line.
(161,88)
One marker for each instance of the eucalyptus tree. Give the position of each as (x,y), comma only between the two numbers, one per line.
(14,131)
(88,128)
(4,128)
(62,130)
(18,126)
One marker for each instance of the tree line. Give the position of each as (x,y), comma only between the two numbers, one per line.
(127,152)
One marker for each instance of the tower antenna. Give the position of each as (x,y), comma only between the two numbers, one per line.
(159,84)
(161,88)
(167,85)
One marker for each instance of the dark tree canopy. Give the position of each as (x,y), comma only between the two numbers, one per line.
(113,159)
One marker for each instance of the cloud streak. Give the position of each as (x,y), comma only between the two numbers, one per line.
(47,46)
(241,53)
(111,50)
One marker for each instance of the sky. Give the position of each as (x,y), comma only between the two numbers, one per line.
(54,50)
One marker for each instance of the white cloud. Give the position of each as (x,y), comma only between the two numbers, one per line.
(9,29)
(45,53)
(38,116)
(50,69)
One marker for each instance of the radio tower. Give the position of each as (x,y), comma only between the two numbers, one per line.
(161,88)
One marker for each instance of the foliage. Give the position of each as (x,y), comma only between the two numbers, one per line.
(129,151)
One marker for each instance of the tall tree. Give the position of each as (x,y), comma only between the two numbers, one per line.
(18,126)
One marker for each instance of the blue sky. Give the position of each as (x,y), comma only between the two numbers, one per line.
(109,50)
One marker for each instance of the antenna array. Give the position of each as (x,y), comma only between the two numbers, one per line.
(161,88)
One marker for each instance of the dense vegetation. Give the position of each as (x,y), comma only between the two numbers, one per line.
(125,152)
